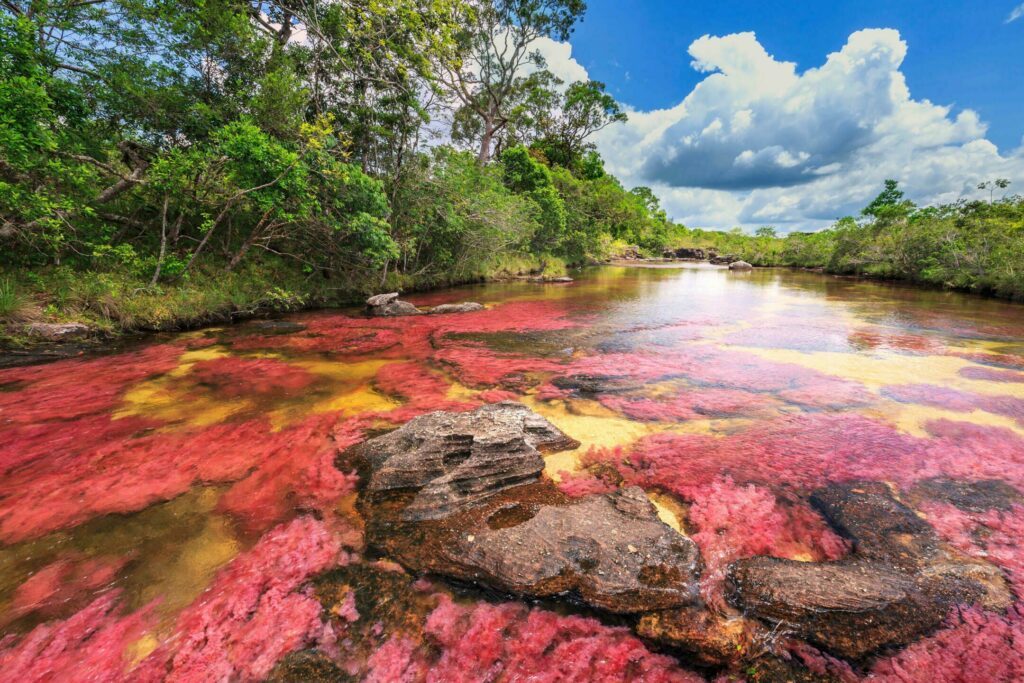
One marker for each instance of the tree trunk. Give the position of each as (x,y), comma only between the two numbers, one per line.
(163,243)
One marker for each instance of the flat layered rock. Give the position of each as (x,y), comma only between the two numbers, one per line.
(611,550)
(972,496)
(464,307)
(711,639)
(58,331)
(389,306)
(453,460)
(897,585)
(850,609)
(461,495)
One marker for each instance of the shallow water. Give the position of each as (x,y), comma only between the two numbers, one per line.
(163,510)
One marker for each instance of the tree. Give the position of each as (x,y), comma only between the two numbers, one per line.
(889,204)
(488,71)
(582,110)
(766,231)
(992,185)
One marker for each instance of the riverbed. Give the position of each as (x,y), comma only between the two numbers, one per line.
(170,511)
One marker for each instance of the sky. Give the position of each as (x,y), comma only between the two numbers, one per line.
(749,113)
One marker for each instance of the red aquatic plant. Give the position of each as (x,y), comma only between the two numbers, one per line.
(976,647)
(254,612)
(88,647)
(512,642)
(239,377)
(63,585)
(954,399)
(991,374)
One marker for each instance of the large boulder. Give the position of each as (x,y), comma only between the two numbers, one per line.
(462,495)
(898,583)
(740,265)
(850,609)
(689,254)
(451,461)
(388,305)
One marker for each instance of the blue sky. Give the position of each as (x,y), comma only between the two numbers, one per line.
(792,114)
(961,53)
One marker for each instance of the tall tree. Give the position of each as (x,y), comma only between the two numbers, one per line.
(496,50)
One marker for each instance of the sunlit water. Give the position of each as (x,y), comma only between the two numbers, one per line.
(163,510)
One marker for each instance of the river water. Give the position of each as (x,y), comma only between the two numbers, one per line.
(164,510)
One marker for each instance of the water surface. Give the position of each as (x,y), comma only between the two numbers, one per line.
(163,510)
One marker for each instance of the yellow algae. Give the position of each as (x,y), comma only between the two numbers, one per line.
(670,510)
(913,418)
(163,399)
(885,369)
(140,649)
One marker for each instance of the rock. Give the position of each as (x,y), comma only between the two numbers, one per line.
(592,385)
(709,638)
(881,528)
(388,305)
(465,307)
(740,265)
(453,460)
(630,253)
(611,550)
(58,331)
(898,583)
(381,299)
(461,496)
(688,253)
(308,666)
(974,496)
(850,609)
(717,260)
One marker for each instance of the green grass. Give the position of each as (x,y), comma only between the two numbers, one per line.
(13,304)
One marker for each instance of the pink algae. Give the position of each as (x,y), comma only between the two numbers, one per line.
(239,377)
(991,374)
(87,647)
(511,642)
(254,613)
(63,584)
(956,400)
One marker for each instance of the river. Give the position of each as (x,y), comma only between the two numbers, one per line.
(164,509)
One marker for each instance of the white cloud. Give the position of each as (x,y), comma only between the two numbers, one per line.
(1016,13)
(759,142)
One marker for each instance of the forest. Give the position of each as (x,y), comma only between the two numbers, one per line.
(164,164)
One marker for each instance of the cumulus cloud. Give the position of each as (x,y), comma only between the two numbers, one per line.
(1016,13)
(757,141)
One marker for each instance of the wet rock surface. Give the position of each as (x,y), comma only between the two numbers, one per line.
(710,639)
(450,461)
(740,265)
(461,495)
(974,496)
(389,306)
(58,331)
(898,584)
(464,307)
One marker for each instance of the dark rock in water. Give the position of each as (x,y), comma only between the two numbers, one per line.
(850,609)
(709,638)
(454,460)
(974,496)
(465,307)
(461,495)
(630,253)
(898,583)
(277,326)
(308,666)
(722,260)
(388,305)
(690,254)
(740,265)
(58,331)
(611,550)
(880,527)
(591,385)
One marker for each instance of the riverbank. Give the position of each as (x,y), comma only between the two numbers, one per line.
(59,312)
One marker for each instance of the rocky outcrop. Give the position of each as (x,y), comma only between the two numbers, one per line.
(450,461)
(710,639)
(464,307)
(740,265)
(58,331)
(723,260)
(592,385)
(461,495)
(688,253)
(897,585)
(973,496)
(389,306)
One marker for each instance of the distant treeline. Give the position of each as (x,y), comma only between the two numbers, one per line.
(974,246)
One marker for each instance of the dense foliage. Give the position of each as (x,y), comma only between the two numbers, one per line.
(151,145)
(974,246)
